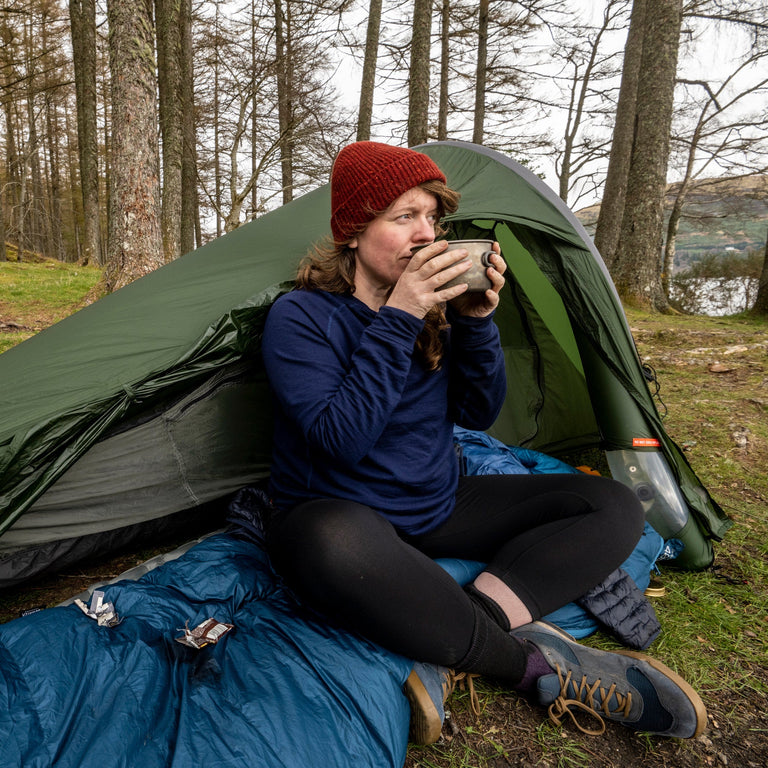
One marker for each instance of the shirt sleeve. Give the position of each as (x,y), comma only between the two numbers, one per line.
(478,382)
(340,388)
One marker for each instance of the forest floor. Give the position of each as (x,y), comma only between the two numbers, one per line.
(714,387)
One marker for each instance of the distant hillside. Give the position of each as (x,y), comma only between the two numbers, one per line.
(720,214)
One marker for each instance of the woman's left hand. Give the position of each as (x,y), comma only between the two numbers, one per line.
(482,304)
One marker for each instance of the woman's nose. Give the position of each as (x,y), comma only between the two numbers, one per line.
(425,230)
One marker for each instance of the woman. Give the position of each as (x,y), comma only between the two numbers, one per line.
(371,361)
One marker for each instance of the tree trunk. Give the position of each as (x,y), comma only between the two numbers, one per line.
(54,184)
(637,266)
(217,179)
(368,82)
(168,23)
(106,137)
(190,210)
(676,214)
(135,246)
(609,219)
(39,229)
(22,242)
(418,80)
(12,159)
(83,24)
(670,245)
(284,94)
(74,190)
(482,65)
(38,222)
(255,121)
(3,255)
(761,300)
(445,48)
(51,142)
(5,188)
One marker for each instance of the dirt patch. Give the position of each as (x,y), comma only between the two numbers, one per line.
(34,319)
(12,327)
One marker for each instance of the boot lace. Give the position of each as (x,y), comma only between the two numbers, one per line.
(592,699)
(465,682)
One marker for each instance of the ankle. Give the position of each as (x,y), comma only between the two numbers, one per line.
(536,666)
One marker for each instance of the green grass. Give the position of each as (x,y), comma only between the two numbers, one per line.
(36,295)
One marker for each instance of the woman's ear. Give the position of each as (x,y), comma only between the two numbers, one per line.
(352,244)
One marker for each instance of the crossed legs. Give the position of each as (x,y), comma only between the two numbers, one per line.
(547,539)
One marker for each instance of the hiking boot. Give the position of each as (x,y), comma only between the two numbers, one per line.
(427,689)
(624,686)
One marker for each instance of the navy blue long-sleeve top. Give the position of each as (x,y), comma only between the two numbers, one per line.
(358,417)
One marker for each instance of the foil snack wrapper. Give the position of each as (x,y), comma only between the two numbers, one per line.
(208,632)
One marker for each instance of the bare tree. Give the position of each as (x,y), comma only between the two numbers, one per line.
(482,65)
(51,140)
(284,30)
(37,218)
(177,125)
(168,24)
(368,82)
(82,14)
(190,203)
(585,77)
(490,90)
(418,78)
(636,269)
(269,141)
(445,52)
(13,185)
(3,254)
(609,220)
(134,244)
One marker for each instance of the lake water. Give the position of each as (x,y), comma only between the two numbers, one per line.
(716,297)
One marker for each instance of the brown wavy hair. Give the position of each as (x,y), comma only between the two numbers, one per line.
(330,266)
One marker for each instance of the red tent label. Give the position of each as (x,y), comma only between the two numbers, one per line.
(645,442)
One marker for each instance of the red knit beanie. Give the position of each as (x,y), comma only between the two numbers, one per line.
(368,177)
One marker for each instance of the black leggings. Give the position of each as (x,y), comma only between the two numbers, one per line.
(550,538)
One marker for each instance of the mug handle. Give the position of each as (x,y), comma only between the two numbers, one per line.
(485,258)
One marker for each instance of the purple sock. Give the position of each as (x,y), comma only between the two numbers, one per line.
(536,666)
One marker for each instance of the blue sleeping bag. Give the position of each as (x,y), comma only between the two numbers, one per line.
(281,689)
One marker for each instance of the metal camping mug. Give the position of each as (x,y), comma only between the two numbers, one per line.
(479,252)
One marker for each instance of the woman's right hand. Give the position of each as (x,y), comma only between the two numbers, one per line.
(419,288)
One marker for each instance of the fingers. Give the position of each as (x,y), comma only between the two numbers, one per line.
(434,270)
(498,262)
(419,287)
(496,272)
(435,258)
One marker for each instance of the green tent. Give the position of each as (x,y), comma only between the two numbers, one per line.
(140,411)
